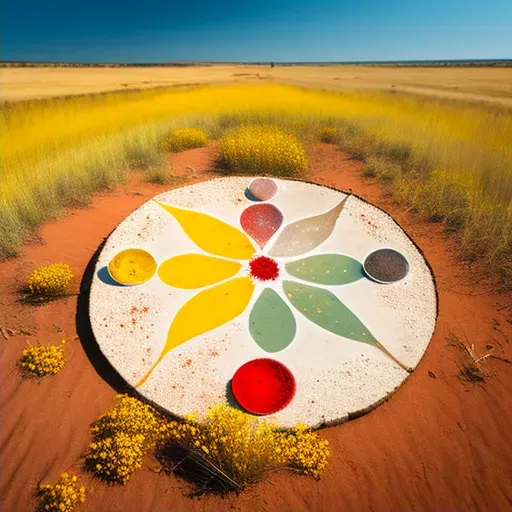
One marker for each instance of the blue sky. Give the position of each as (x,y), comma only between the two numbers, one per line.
(262,30)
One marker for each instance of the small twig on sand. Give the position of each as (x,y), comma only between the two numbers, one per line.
(501,359)
(471,365)
(5,332)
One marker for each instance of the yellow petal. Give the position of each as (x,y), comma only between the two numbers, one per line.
(196,270)
(211,234)
(205,311)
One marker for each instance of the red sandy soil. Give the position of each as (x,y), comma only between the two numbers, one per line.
(439,443)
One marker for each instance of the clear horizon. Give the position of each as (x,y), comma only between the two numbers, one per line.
(277,62)
(229,31)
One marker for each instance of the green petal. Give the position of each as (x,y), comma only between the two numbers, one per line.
(325,309)
(271,323)
(327,269)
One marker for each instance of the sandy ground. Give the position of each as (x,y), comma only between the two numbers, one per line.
(439,443)
(490,85)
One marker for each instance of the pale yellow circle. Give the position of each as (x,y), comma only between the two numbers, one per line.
(132,266)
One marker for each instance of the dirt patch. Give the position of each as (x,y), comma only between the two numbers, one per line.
(439,443)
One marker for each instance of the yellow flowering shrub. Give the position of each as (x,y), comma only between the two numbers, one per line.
(130,416)
(185,138)
(114,459)
(49,281)
(238,452)
(121,438)
(263,149)
(63,496)
(302,450)
(232,449)
(42,360)
(239,449)
(328,134)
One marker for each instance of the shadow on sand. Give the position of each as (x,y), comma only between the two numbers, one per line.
(84,330)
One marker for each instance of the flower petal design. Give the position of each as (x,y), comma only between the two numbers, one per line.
(205,311)
(330,269)
(212,235)
(196,270)
(325,309)
(271,323)
(306,234)
(261,221)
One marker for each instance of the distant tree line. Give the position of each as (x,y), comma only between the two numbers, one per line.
(424,63)
(9,64)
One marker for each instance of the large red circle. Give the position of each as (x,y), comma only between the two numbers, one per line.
(263,386)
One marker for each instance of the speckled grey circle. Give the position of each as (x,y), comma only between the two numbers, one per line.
(336,377)
(386,266)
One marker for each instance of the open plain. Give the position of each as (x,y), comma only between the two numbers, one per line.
(477,84)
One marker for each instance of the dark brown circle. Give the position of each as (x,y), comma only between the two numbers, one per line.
(386,266)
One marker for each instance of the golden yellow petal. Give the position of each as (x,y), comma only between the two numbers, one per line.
(212,235)
(205,311)
(196,270)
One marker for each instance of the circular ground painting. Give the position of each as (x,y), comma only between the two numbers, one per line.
(287,299)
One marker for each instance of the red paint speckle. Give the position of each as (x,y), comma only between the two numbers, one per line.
(264,268)
(263,386)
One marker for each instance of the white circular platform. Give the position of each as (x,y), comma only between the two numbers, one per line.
(341,342)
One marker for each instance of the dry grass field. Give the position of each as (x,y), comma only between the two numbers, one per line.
(439,137)
(464,83)
(31,83)
(480,84)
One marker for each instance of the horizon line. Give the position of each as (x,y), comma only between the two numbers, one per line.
(254,62)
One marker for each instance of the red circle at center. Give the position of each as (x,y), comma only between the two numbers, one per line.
(263,386)
(264,268)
